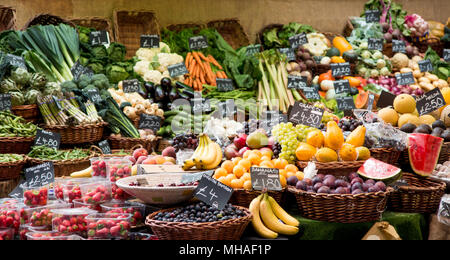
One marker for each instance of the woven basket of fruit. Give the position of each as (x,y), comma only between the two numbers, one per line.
(177,224)
(334,168)
(387,155)
(420,195)
(243,197)
(11,165)
(118,142)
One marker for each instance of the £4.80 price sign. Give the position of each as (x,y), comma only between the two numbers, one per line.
(213,192)
(305,115)
(46,138)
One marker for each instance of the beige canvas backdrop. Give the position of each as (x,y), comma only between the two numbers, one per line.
(324,15)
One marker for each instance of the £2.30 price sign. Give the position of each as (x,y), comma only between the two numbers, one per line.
(430,101)
(40,175)
(305,115)
(265,179)
(213,192)
(47,138)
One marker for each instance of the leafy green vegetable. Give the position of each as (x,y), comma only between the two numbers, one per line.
(117,120)
(441,68)
(117,52)
(279,38)
(116,73)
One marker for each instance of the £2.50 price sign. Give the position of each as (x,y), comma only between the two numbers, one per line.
(430,102)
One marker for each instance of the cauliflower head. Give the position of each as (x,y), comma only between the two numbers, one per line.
(153,76)
(141,67)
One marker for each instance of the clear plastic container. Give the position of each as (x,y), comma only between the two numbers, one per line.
(6,233)
(9,201)
(96,192)
(80,204)
(142,236)
(41,216)
(118,168)
(118,193)
(98,165)
(10,216)
(69,189)
(24,229)
(444,210)
(183,155)
(35,196)
(71,221)
(108,226)
(136,210)
(51,235)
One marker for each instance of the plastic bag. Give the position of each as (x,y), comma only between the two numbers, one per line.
(444,210)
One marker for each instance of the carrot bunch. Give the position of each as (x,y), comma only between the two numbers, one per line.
(202,70)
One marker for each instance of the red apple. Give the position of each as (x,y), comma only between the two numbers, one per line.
(243,150)
(271,142)
(139,152)
(231,152)
(131,159)
(240,141)
(141,159)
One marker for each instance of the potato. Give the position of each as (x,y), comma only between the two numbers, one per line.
(426,86)
(417,74)
(432,77)
(406,70)
(417,59)
(424,79)
(416,66)
(414,86)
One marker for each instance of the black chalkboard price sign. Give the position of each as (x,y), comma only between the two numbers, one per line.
(430,101)
(40,175)
(375,44)
(150,41)
(289,52)
(131,86)
(345,103)
(97,38)
(340,69)
(253,49)
(177,70)
(78,70)
(94,95)
(104,145)
(297,82)
(342,86)
(198,42)
(224,85)
(425,65)
(398,46)
(298,40)
(5,102)
(47,138)
(446,55)
(200,105)
(265,179)
(386,99)
(372,16)
(405,78)
(150,122)
(16,61)
(213,192)
(305,115)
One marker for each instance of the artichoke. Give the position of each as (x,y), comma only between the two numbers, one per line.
(8,85)
(31,96)
(38,81)
(21,76)
(17,98)
(52,88)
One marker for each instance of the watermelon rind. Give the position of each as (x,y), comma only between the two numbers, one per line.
(430,160)
(379,171)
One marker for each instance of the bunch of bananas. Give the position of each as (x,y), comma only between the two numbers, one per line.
(267,214)
(207,156)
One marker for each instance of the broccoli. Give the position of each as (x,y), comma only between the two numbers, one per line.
(68,86)
(100,81)
(84,81)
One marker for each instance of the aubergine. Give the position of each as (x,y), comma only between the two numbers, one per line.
(159,93)
(173,94)
(187,92)
(166,83)
(150,87)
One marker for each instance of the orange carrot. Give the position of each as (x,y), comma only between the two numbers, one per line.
(188,59)
(192,66)
(197,58)
(213,61)
(202,78)
(224,75)
(202,56)
(209,73)
(200,85)
(218,74)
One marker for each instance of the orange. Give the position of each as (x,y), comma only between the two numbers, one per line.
(315,138)
(280,163)
(220,172)
(238,171)
(268,164)
(348,153)
(225,181)
(258,152)
(267,153)
(236,160)
(237,184)
(291,168)
(283,181)
(248,185)
(247,154)
(289,174)
(159,159)
(228,165)
(305,152)
(246,163)
(229,178)
(283,172)
(300,176)
(255,159)
(246,176)
(266,158)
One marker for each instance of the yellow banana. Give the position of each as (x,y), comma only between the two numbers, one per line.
(282,214)
(259,227)
(86,173)
(217,159)
(210,155)
(189,163)
(197,159)
(272,222)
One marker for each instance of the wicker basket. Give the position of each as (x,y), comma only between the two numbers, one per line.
(98,23)
(334,168)
(243,197)
(348,27)
(433,42)
(47,19)
(18,145)
(260,36)
(222,230)
(11,170)
(7,186)
(232,31)
(163,144)
(129,143)
(130,25)
(386,155)
(79,134)
(423,195)
(365,207)
(443,156)
(7,18)
(65,167)
(30,113)
(197,27)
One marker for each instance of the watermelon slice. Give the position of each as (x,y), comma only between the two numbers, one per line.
(424,153)
(379,171)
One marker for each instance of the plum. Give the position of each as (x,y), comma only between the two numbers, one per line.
(301,185)
(365,187)
(355,192)
(292,181)
(353,175)
(370,182)
(308,181)
(341,190)
(357,186)
(324,189)
(329,182)
(381,185)
(317,186)
(347,190)
(374,189)
(316,180)
(357,179)
(340,183)
(321,176)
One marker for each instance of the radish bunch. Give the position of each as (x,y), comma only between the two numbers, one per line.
(390,84)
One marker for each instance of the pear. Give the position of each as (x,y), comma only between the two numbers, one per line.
(257,140)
